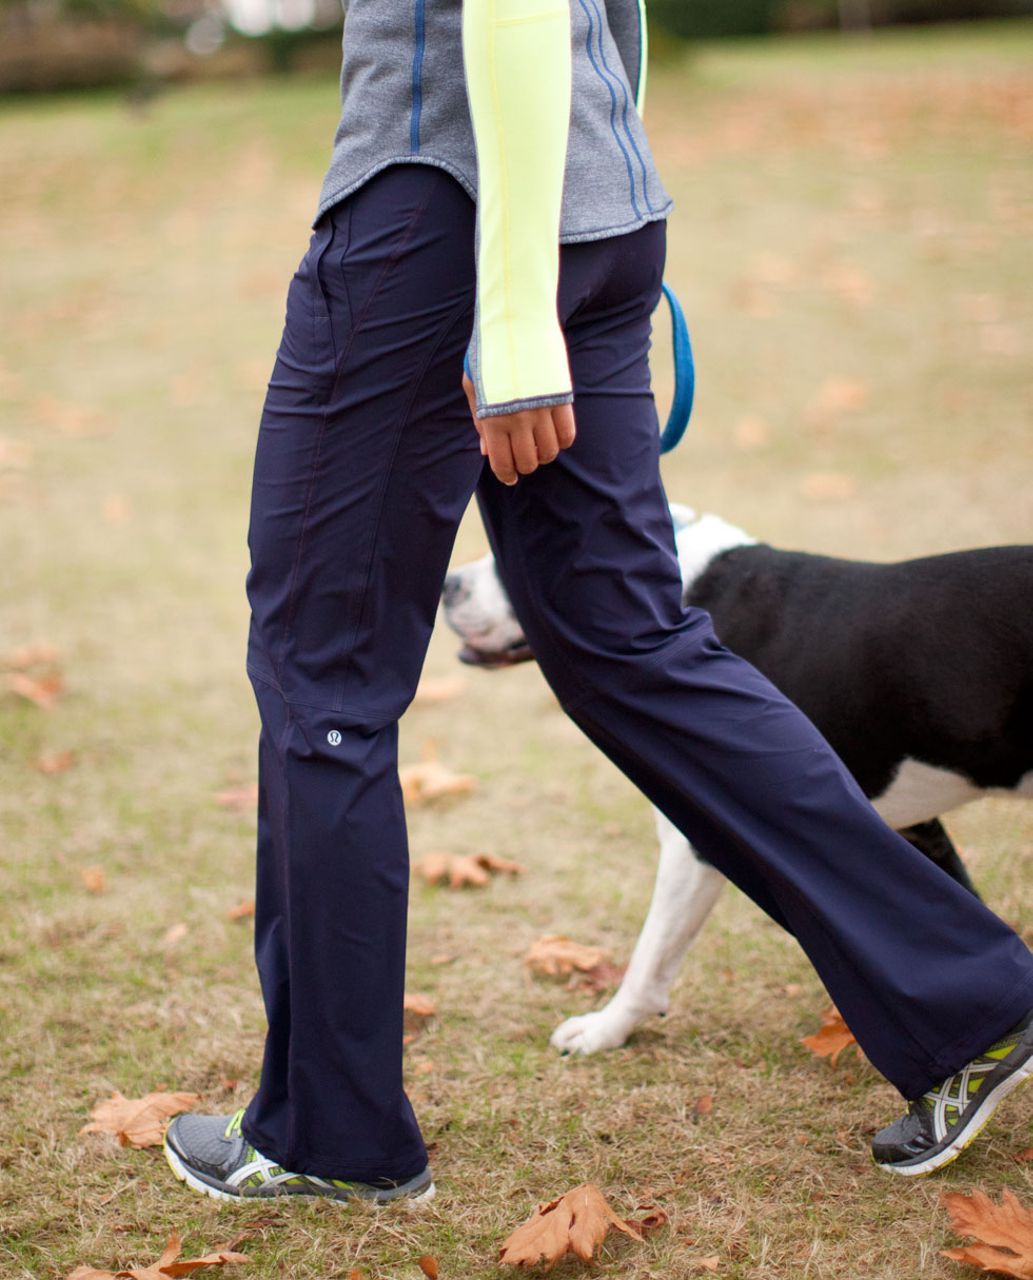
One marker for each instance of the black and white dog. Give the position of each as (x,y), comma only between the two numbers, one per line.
(919,673)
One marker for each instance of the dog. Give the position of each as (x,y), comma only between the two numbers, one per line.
(919,673)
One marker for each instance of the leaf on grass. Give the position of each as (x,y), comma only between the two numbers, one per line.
(832,1038)
(461,870)
(601,977)
(704,1106)
(431,780)
(138,1122)
(577,1223)
(652,1220)
(175,934)
(238,799)
(429,1266)
(432,689)
(43,691)
(1024,1156)
(56,762)
(93,878)
(712,1263)
(420,1006)
(556,956)
(242,910)
(1004,1232)
(168,1265)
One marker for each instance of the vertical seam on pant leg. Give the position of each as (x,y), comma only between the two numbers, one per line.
(338,701)
(310,492)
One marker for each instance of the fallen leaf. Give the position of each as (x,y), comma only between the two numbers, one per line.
(1004,1232)
(420,1006)
(116,509)
(56,762)
(704,1105)
(175,933)
(601,977)
(751,432)
(430,780)
(429,1266)
(712,1263)
(653,1219)
(138,1122)
(465,870)
(43,691)
(834,398)
(1024,1156)
(554,956)
(93,878)
(433,689)
(238,799)
(242,910)
(832,1038)
(166,1266)
(576,1223)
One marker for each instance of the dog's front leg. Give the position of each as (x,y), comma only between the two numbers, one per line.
(685,892)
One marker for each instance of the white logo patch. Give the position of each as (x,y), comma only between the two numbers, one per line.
(334,738)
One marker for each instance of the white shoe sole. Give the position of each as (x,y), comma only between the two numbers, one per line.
(972,1130)
(198,1184)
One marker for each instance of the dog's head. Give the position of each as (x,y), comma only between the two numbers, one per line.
(477,609)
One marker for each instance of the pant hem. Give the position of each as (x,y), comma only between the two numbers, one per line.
(1002,1017)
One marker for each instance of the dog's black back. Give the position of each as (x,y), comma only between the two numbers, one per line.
(930,659)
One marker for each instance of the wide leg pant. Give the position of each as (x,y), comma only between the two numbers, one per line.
(366,460)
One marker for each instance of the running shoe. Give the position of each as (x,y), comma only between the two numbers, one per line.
(940,1124)
(211,1155)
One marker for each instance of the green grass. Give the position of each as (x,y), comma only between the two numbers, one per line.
(850,211)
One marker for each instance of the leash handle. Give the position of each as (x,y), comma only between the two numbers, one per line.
(684,375)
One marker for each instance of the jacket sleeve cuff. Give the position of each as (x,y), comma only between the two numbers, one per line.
(515,406)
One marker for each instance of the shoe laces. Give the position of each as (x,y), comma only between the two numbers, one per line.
(233,1129)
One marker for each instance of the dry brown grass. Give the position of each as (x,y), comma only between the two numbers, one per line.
(849,243)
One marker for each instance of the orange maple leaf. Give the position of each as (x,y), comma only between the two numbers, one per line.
(138,1122)
(555,955)
(832,1038)
(167,1265)
(1004,1232)
(462,870)
(577,1223)
(431,780)
(42,690)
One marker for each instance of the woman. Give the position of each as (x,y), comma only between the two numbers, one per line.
(492,194)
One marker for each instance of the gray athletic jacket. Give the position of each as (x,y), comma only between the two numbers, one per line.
(403,97)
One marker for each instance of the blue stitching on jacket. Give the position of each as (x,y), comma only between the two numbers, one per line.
(613,105)
(417,80)
(624,113)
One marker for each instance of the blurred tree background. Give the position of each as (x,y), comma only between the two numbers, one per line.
(59,44)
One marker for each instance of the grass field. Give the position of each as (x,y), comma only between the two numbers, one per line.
(851,244)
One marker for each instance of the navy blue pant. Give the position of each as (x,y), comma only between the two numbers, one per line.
(366,460)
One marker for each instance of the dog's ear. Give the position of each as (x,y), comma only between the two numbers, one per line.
(681,515)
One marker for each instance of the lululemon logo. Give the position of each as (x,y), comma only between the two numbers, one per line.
(334,738)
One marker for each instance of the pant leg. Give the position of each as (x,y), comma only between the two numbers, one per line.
(924,974)
(365,462)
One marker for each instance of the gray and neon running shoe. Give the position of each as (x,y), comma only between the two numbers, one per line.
(940,1124)
(210,1154)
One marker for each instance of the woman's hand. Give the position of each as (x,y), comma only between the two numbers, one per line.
(516,443)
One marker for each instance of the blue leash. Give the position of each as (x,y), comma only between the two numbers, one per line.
(684,375)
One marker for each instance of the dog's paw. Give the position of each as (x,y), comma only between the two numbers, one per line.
(592,1032)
